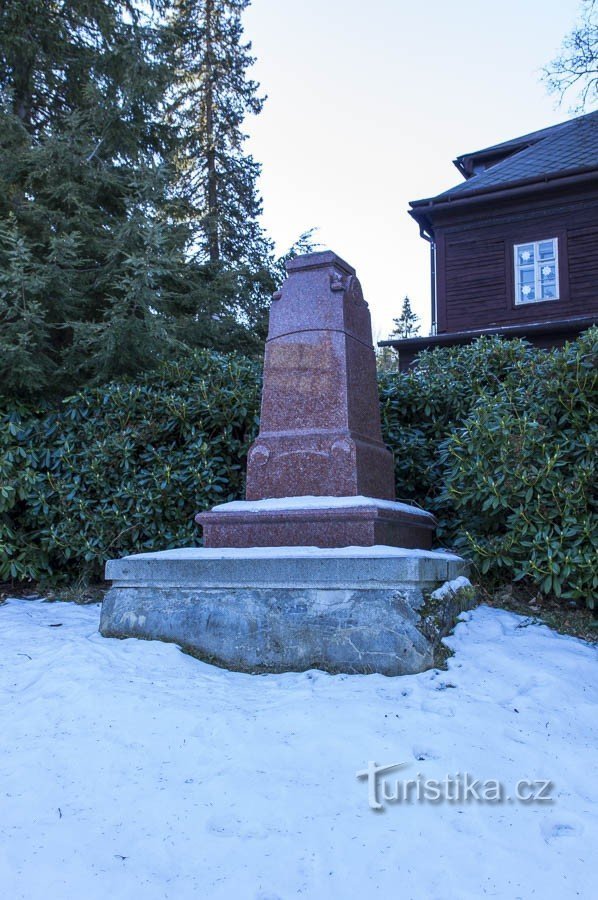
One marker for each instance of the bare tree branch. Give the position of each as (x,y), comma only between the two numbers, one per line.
(574,72)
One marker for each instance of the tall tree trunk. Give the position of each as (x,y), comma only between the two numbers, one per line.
(213,241)
(22,103)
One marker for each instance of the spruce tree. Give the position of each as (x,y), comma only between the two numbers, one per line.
(405,325)
(128,209)
(216,180)
(85,240)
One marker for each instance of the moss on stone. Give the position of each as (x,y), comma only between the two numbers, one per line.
(438,616)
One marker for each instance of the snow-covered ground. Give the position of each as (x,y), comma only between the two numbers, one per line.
(129,770)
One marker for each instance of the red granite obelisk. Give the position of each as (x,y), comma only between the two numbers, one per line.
(318,473)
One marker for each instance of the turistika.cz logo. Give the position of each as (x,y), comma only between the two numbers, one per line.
(462,787)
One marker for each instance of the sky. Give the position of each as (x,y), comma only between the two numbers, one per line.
(369,101)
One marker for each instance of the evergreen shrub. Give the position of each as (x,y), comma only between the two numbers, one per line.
(498,439)
(124,468)
(520,474)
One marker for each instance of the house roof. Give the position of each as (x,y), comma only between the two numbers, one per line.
(469,163)
(557,152)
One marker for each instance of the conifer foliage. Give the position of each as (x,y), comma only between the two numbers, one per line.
(82,244)
(128,212)
(406,325)
(211,97)
(216,180)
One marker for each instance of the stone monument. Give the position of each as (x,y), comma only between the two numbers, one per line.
(319,567)
(320,433)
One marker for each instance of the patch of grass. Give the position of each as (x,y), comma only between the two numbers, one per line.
(79,592)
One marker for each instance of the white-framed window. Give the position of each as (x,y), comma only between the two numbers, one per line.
(536,271)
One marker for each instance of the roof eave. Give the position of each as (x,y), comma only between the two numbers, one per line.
(564,325)
(420,208)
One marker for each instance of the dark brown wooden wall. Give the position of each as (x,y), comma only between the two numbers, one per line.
(475,260)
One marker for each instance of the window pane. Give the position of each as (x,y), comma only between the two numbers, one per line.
(526,276)
(527,293)
(525,254)
(546,250)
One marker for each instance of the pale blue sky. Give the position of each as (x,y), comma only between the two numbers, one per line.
(369,101)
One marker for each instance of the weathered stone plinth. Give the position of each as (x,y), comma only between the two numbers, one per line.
(317,522)
(290,609)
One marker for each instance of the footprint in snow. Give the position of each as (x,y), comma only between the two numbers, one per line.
(553,830)
(422,753)
(439,710)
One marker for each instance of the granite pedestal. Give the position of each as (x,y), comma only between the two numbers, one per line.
(318,522)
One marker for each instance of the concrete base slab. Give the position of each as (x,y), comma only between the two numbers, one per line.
(354,610)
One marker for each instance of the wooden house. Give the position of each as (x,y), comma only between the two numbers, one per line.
(514,247)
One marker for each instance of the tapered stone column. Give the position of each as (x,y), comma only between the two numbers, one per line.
(320,424)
